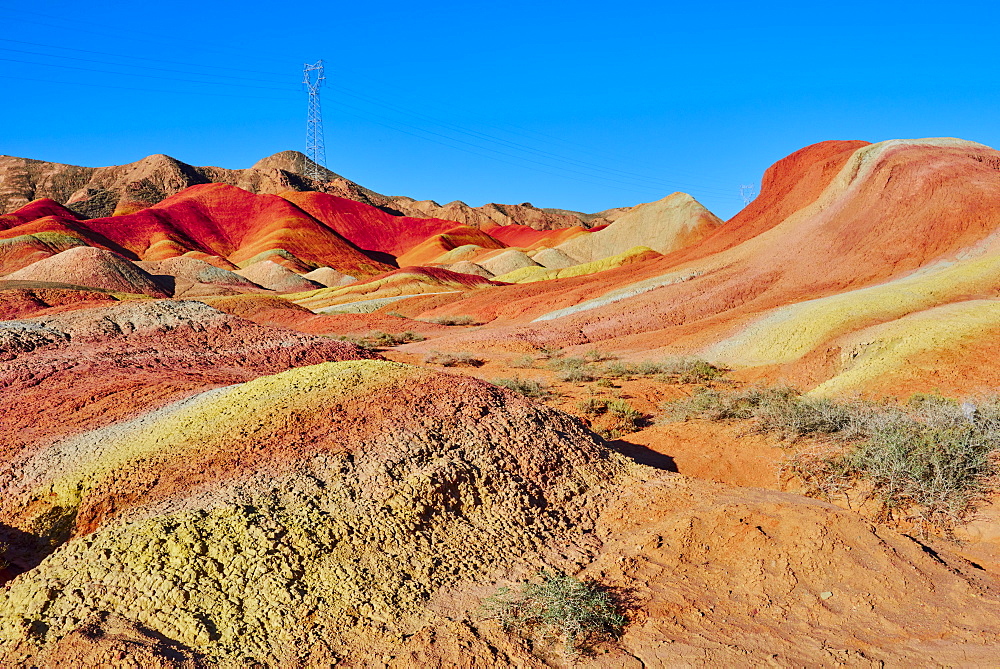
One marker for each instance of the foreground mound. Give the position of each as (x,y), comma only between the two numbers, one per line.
(91,268)
(275,519)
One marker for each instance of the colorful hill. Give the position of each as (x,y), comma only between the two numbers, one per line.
(215,451)
(92,268)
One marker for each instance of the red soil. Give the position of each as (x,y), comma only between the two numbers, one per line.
(104,373)
(35,210)
(882,226)
(27,302)
(374,230)
(221,220)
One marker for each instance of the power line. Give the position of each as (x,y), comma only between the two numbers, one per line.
(593,171)
(145,67)
(131,57)
(144,90)
(133,74)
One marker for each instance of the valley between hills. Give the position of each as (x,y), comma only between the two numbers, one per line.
(255,419)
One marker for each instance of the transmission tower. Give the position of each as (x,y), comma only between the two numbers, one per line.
(748,192)
(312,77)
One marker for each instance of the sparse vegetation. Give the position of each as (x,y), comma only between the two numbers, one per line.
(578,613)
(626,419)
(523,362)
(930,458)
(593,355)
(572,370)
(451,320)
(675,370)
(453,359)
(526,387)
(592,406)
(549,352)
(377,339)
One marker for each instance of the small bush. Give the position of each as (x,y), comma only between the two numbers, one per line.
(549,352)
(593,355)
(377,339)
(626,418)
(452,359)
(578,613)
(452,320)
(572,370)
(523,362)
(592,406)
(677,370)
(779,409)
(933,453)
(526,387)
(617,370)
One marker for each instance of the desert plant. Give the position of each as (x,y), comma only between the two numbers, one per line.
(523,362)
(617,370)
(592,406)
(626,418)
(932,453)
(593,355)
(572,370)
(526,387)
(452,320)
(580,613)
(548,352)
(452,359)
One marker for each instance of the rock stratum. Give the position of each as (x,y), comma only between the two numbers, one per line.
(232,436)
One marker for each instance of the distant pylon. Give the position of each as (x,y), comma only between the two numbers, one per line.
(312,77)
(748,192)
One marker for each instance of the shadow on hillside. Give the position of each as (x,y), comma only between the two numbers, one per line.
(21,551)
(643,455)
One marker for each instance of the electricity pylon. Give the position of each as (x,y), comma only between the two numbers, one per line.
(312,77)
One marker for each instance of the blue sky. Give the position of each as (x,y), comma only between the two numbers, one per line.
(579,105)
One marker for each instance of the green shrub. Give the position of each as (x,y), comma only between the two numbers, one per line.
(617,370)
(526,387)
(931,452)
(452,359)
(523,362)
(377,339)
(451,320)
(549,352)
(675,370)
(593,355)
(572,370)
(626,418)
(592,406)
(578,613)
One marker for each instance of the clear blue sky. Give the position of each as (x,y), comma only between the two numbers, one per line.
(580,105)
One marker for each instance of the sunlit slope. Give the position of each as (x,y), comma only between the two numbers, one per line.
(844,236)
(346,494)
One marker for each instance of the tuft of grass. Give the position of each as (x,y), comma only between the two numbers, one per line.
(626,418)
(573,370)
(592,406)
(452,359)
(452,320)
(526,387)
(549,352)
(523,362)
(579,613)
(593,355)
(376,339)
(932,456)
(674,370)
